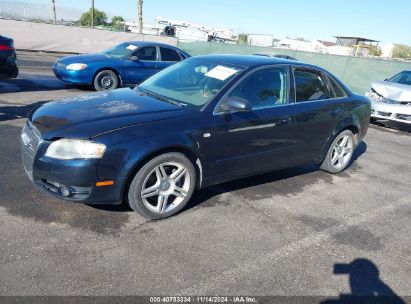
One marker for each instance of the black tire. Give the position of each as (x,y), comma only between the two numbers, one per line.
(106,80)
(327,164)
(134,197)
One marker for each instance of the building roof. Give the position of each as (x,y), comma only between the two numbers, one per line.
(356,38)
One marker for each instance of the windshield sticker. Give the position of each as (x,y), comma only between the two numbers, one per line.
(131,47)
(221,72)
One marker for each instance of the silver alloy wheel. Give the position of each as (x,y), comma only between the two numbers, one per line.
(165,187)
(342,152)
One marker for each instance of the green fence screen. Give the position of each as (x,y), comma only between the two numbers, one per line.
(357,73)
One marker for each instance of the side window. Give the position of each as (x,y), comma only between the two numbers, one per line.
(339,91)
(147,53)
(264,88)
(169,55)
(309,86)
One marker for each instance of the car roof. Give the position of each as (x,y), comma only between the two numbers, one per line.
(150,43)
(252,60)
(154,43)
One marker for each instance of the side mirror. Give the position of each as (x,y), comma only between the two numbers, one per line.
(133,58)
(236,104)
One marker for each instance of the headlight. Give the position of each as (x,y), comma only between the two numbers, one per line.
(75,149)
(76,66)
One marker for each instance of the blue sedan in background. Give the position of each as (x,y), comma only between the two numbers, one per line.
(8,59)
(126,64)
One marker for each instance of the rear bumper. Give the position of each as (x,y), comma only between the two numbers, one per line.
(73,77)
(391,112)
(8,67)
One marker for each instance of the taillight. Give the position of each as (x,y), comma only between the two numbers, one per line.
(4,47)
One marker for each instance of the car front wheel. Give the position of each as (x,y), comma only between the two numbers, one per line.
(340,153)
(105,80)
(163,186)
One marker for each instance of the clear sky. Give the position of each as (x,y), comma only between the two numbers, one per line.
(388,21)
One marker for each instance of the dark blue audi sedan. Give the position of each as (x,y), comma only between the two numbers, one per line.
(203,121)
(126,64)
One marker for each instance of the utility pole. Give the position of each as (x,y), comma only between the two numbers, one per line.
(140,16)
(54,11)
(92,13)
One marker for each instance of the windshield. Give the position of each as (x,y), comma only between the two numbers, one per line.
(402,78)
(192,82)
(120,51)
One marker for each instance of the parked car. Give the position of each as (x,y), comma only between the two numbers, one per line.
(270,54)
(8,58)
(203,121)
(391,98)
(126,64)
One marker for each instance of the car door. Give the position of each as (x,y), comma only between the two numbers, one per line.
(260,139)
(141,65)
(167,57)
(317,111)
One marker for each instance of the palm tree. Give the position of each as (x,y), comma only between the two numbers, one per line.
(140,16)
(54,11)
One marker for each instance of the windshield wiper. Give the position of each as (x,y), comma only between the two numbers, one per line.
(163,98)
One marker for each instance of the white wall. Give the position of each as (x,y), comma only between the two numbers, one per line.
(60,38)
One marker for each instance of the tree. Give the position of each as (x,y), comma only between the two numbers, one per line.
(117,23)
(100,18)
(242,39)
(116,20)
(401,51)
(53,2)
(375,51)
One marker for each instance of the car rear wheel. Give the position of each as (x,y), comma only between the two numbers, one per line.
(340,153)
(163,186)
(105,80)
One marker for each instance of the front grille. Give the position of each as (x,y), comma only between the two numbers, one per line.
(30,141)
(385,114)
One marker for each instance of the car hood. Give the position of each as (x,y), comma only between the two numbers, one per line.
(84,58)
(89,115)
(393,91)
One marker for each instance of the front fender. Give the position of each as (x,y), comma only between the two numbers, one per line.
(184,133)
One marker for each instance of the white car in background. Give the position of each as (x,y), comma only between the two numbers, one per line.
(391,98)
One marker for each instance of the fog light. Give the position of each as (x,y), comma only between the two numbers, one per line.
(64,191)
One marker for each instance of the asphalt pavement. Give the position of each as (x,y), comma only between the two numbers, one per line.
(295,232)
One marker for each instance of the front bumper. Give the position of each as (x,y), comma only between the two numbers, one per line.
(74,77)
(392,112)
(71,180)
